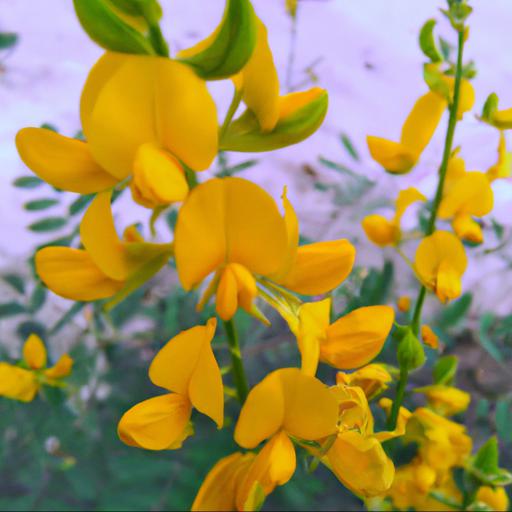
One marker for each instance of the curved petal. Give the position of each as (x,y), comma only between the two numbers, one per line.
(355,339)
(72,274)
(62,368)
(157,423)
(395,157)
(152,100)
(34,352)
(380,230)
(406,198)
(320,267)
(17,383)
(63,162)
(467,229)
(226,299)
(228,220)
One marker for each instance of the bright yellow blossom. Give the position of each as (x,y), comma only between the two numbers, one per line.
(445,400)
(382,231)
(187,368)
(503,167)
(373,379)
(106,265)
(141,116)
(232,228)
(496,498)
(23,381)
(440,263)
(429,337)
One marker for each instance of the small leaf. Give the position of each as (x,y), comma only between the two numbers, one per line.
(455,312)
(490,106)
(445,369)
(446,48)
(37,298)
(8,40)
(40,204)
(48,224)
(16,281)
(427,42)
(11,309)
(349,146)
(80,204)
(28,182)
(487,321)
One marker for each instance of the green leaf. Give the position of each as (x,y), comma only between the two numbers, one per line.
(99,19)
(80,204)
(427,42)
(445,369)
(487,457)
(230,46)
(446,48)
(503,418)
(349,146)
(229,171)
(48,224)
(434,79)
(11,309)
(147,9)
(16,281)
(40,204)
(37,298)
(8,40)
(487,321)
(455,312)
(28,182)
(490,106)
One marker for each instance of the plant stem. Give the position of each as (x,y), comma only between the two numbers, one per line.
(157,40)
(431,227)
(237,366)
(233,107)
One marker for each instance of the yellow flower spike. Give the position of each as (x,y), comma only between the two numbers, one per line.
(159,423)
(63,162)
(287,399)
(187,366)
(34,352)
(17,383)
(373,379)
(62,368)
(503,167)
(440,263)
(220,488)
(401,157)
(429,337)
(496,499)
(403,303)
(445,400)
(356,338)
(119,104)
(259,83)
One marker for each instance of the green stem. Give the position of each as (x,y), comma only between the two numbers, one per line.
(237,366)
(235,103)
(431,227)
(157,40)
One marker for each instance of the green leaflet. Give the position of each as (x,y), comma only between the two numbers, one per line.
(427,43)
(226,51)
(434,79)
(244,134)
(147,9)
(105,27)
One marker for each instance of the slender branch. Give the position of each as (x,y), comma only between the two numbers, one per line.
(431,227)
(233,107)
(237,366)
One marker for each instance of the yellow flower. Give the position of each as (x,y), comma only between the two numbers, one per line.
(232,228)
(429,337)
(469,196)
(106,265)
(141,116)
(352,341)
(496,498)
(445,400)
(403,303)
(23,382)
(502,168)
(187,367)
(373,379)
(440,263)
(382,231)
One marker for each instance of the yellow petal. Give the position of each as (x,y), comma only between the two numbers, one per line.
(405,199)
(246,285)
(467,229)
(320,267)
(17,383)
(429,337)
(260,84)
(440,262)
(373,379)
(503,166)
(34,352)
(380,230)
(149,99)
(404,303)
(445,400)
(313,323)
(393,156)
(361,464)
(355,339)
(220,487)
(228,220)
(290,103)
(62,368)
(226,300)
(502,119)
(466,99)
(496,499)
(72,274)
(157,423)
(186,365)
(158,176)
(422,122)
(62,162)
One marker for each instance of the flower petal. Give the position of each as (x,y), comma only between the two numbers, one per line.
(63,162)
(62,368)
(355,339)
(395,157)
(406,198)
(380,230)
(226,299)
(17,383)
(72,274)
(34,352)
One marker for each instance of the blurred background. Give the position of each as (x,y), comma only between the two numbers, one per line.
(62,452)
